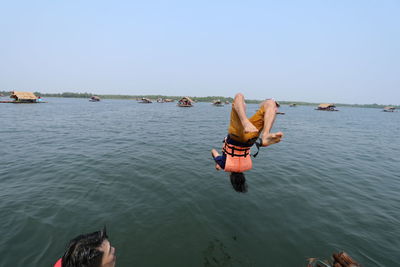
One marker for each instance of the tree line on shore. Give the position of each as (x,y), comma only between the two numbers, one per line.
(194,98)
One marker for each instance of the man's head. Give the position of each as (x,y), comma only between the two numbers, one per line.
(90,250)
(238,181)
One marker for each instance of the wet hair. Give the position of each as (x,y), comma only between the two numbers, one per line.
(83,250)
(238,181)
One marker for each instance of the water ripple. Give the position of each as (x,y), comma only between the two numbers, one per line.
(71,166)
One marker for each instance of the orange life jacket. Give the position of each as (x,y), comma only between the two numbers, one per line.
(238,158)
(58,263)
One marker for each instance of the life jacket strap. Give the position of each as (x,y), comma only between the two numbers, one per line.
(246,149)
(258,145)
(230,150)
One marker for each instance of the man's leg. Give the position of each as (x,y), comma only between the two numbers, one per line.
(240,108)
(270,110)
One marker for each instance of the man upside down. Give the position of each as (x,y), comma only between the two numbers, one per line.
(243,133)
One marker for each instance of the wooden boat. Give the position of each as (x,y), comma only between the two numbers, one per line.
(293,105)
(23,98)
(389,109)
(218,103)
(326,107)
(94,99)
(145,101)
(185,102)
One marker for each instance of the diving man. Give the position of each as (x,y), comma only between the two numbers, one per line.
(243,133)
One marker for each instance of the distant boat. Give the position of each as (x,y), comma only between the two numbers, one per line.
(24,97)
(167,100)
(94,99)
(145,101)
(160,100)
(389,109)
(280,113)
(326,107)
(293,105)
(185,102)
(227,102)
(218,103)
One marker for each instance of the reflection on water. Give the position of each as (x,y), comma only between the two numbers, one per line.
(70,166)
(217,255)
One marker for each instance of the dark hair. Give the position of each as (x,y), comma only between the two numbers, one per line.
(83,251)
(238,181)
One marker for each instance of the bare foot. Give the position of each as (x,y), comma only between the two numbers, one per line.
(249,128)
(272,138)
(215,153)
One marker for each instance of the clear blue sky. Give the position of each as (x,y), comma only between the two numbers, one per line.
(319,51)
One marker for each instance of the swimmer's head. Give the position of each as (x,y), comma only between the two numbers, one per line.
(92,249)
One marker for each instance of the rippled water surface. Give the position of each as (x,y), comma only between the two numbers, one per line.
(70,166)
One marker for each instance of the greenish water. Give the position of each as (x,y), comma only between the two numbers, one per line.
(70,166)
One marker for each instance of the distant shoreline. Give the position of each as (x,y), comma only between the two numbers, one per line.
(195,98)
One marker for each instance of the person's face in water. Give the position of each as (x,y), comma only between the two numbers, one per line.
(109,257)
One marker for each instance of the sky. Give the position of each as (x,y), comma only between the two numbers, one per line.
(337,51)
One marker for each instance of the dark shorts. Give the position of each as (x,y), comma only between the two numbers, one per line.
(236,129)
(220,160)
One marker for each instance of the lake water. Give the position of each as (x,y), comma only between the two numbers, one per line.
(71,166)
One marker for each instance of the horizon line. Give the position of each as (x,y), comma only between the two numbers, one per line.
(177,96)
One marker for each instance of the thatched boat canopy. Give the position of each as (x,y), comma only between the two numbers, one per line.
(389,108)
(145,100)
(95,98)
(186,99)
(23,96)
(185,102)
(326,105)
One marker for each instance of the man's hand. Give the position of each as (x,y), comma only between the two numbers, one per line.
(215,154)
